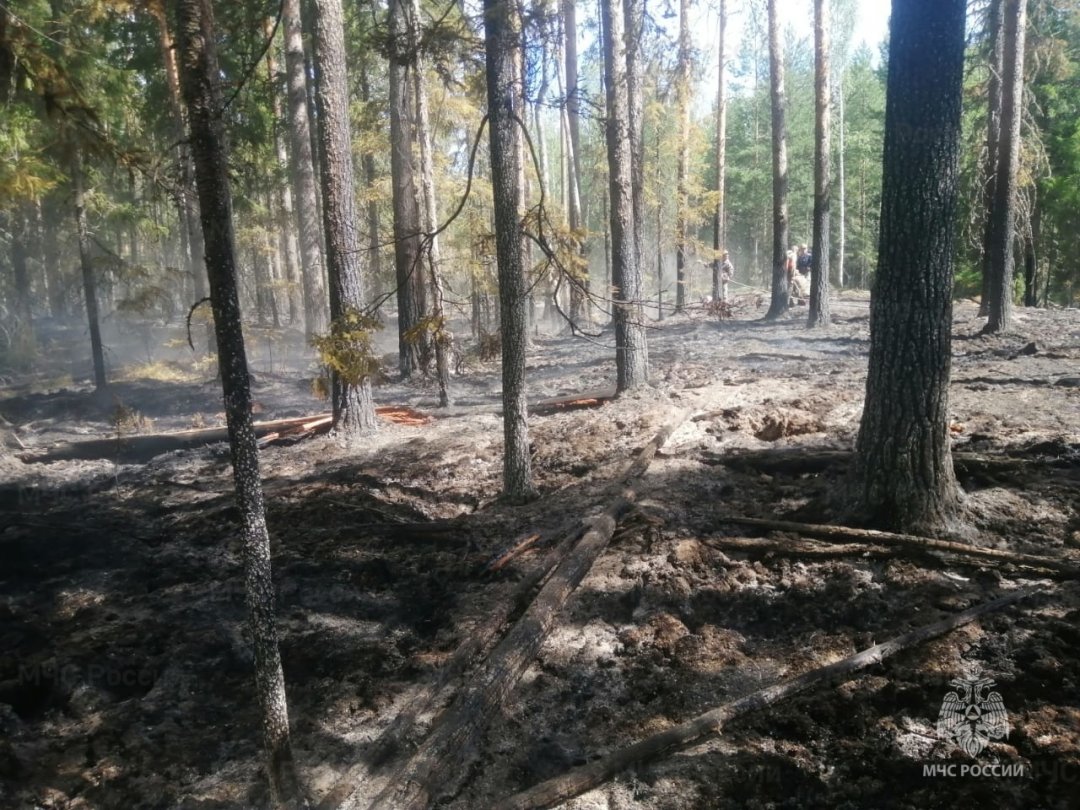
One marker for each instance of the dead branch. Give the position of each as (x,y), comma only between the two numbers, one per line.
(798,547)
(923,544)
(586,399)
(515,550)
(439,766)
(710,724)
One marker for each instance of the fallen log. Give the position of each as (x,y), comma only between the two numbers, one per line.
(798,548)
(711,724)
(440,765)
(928,544)
(799,461)
(139,448)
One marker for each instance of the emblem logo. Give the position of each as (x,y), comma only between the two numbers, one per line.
(971,717)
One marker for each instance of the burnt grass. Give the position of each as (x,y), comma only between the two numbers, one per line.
(126,677)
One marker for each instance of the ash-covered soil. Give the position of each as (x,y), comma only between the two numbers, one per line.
(126,678)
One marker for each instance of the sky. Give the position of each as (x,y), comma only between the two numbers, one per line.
(871,28)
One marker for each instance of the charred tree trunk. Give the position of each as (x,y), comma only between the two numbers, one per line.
(781,284)
(682,201)
(1031,247)
(302,170)
(903,471)
(501,33)
(1003,217)
(200,79)
(354,408)
(841,197)
(819,278)
(89,279)
(718,289)
(19,227)
(631,352)
(50,256)
(371,177)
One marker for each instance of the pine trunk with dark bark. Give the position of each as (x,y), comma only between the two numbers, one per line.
(353,406)
(371,177)
(781,286)
(1003,216)
(302,170)
(819,279)
(578,294)
(631,351)
(200,81)
(501,34)
(903,473)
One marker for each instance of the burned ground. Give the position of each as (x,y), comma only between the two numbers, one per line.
(125,677)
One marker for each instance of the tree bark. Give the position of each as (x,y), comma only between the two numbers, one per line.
(903,473)
(1004,213)
(200,80)
(302,170)
(819,315)
(682,201)
(19,227)
(501,32)
(89,279)
(354,409)
(631,352)
(719,290)
(781,292)
(995,18)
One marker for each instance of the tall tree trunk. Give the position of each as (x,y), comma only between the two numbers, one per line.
(718,291)
(1004,213)
(1031,246)
(682,201)
(501,33)
(819,279)
(631,351)
(200,80)
(995,23)
(371,177)
(19,228)
(302,169)
(353,407)
(50,256)
(659,231)
(409,273)
(578,295)
(283,217)
(841,197)
(86,262)
(634,16)
(903,471)
(781,284)
(441,336)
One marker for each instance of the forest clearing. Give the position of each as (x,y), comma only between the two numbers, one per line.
(123,584)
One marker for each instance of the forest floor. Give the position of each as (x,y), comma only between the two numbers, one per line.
(126,679)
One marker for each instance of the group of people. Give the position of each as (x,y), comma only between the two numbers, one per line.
(799,263)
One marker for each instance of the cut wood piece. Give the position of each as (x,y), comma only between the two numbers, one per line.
(846,534)
(710,724)
(441,764)
(586,399)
